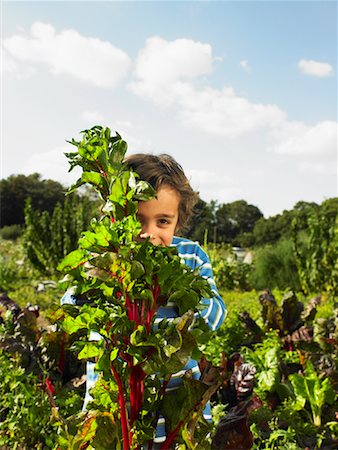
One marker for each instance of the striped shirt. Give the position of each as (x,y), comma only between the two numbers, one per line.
(214,314)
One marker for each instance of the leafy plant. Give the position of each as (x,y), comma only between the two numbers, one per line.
(229,273)
(274,266)
(317,254)
(11,232)
(310,388)
(36,368)
(125,282)
(49,237)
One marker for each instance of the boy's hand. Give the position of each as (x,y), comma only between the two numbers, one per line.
(145,236)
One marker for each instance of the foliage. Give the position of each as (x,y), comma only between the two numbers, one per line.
(36,368)
(20,281)
(125,282)
(201,222)
(225,223)
(275,266)
(15,190)
(317,255)
(234,219)
(25,409)
(8,274)
(310,388)
(12,270)
(48,238)
(229,273)
(11,232)
(294,353)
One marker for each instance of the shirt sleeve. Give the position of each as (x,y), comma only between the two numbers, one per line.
(215,310)
(68,299)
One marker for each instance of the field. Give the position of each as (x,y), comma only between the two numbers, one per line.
(291,340)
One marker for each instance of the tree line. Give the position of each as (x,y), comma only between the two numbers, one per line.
(244,225)
(237,223)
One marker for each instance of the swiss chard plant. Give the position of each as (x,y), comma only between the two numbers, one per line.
(122,282)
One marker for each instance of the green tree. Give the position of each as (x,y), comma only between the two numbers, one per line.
(329,207)
(234,219)
(15,190)
(270,230)
(201,222)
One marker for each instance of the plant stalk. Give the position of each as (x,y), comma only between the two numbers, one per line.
(123,408)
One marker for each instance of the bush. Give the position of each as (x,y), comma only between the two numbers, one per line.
(11,232)
(39,378)
(316,253)
(48,237)
(25,409)
(229,273)
(275,267)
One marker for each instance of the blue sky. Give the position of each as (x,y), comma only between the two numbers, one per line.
(243,94)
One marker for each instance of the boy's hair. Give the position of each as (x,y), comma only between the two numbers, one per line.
(163,170)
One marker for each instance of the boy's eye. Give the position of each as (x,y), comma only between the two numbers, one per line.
(163,221)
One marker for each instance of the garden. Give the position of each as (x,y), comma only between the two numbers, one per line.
(270,372)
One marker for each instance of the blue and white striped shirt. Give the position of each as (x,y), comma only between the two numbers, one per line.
(214,314)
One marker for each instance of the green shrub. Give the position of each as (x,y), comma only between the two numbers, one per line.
(49,237)
(11,232)
(316,253)
(38,377)
(275,267)
(24,409)
(8,274)
(229,273)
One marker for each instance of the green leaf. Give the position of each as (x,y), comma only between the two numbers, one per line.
(181,403)
(96,179)
(90,350)
(70,326)
(144,191)
(114,353)
(137,269)
(138,336)
(73,260)
(118,151)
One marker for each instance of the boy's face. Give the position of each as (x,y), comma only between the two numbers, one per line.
(159,216)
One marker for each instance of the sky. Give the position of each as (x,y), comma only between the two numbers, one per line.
(243,94)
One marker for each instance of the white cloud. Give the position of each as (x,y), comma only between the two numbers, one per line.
(92,117)
(224,113)
(296,138)
(244,63)
(52,164)
(167,73)
(315,68)
(160,64)
(68,52)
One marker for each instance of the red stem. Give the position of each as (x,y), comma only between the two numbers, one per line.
(103,172)
(142,312)
(123,412)
(170,439)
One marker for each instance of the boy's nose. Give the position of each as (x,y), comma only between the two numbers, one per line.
(149,230)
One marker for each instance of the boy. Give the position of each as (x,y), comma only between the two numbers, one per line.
(161,218)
